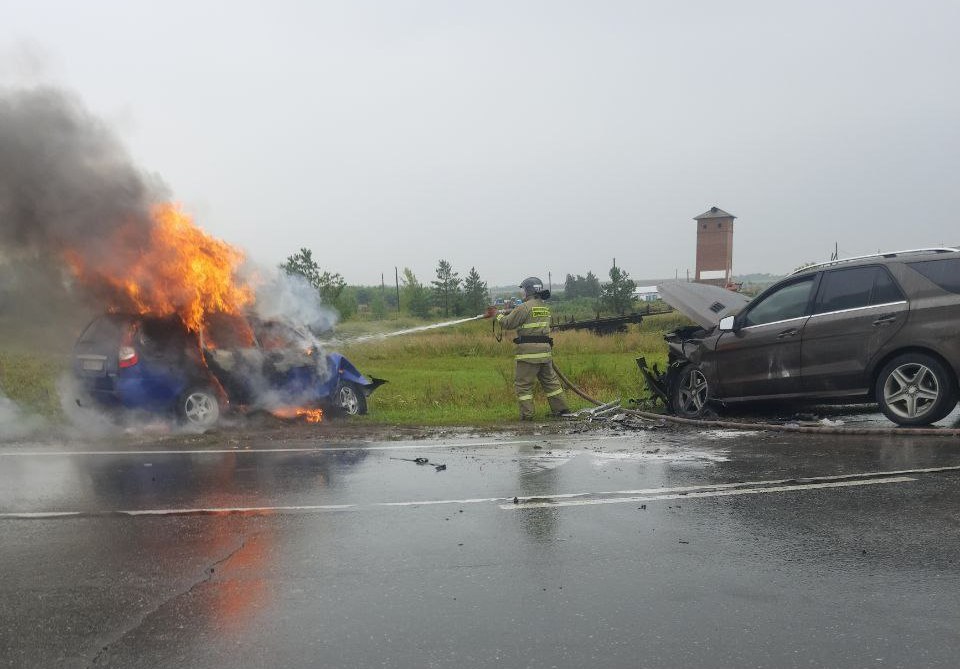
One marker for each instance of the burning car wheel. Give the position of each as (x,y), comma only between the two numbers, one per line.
(689,392)
(199,407)
(351,400)
(915,389)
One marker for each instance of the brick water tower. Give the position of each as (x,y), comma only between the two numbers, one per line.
(714,247)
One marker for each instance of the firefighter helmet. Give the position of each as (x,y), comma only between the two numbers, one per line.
(532,287)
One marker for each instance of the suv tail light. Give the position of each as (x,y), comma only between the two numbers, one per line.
(128,354)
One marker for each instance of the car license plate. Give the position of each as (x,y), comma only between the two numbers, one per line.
(93,365)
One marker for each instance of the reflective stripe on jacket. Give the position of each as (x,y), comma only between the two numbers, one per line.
(530,319)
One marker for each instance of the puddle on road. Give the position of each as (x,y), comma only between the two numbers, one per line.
(601,458)
(668,454)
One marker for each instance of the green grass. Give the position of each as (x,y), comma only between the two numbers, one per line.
(452,376)
(30,380)
(461,375)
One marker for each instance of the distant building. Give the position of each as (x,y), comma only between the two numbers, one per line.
(714,247)
(646,293)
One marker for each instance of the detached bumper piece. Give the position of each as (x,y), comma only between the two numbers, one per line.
(373,385)
(655,379)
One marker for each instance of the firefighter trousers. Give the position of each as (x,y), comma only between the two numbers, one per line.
(528,372)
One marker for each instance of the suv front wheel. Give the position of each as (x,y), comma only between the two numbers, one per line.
(916,389)
(689,392)
(351,400)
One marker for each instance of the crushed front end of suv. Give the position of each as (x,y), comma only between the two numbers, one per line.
(883,328)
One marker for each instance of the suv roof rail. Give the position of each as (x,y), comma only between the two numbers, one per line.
(885,254)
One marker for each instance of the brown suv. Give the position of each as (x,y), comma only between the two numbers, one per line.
(885,328)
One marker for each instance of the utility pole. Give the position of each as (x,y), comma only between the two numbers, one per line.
(396,278)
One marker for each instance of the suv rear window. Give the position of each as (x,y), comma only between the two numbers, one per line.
(104,330)
(944,273)
(856,287)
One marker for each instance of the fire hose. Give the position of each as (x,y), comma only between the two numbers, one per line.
(768,427)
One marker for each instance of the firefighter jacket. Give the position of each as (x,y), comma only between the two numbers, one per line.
(530,319)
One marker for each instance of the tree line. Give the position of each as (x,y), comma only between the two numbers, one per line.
(448,294)
(614,296)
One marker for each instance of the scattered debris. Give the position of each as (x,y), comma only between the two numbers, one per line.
(597,411)
(423,461)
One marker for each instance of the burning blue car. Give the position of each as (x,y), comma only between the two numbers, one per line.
(156,364)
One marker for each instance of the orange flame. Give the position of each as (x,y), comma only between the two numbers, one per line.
(308,415)
(180,269)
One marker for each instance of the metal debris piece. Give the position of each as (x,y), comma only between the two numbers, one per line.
(595,412)
(423,461)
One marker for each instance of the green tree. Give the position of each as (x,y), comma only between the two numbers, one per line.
(581,286)
(346,303)
(415,295)
(476,296)
(378,305)
(591,285)
(617,296)
(446,287)
(330,285)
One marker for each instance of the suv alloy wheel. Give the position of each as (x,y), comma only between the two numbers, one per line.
(915,389)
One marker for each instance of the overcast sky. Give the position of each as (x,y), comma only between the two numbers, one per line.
(524,137)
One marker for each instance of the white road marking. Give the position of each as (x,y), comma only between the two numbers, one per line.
(207,451)
(707,493)
(541,501)
(682,490)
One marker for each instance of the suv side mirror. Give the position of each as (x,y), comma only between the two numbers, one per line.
(726,324)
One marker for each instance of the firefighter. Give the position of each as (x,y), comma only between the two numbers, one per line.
(534,354)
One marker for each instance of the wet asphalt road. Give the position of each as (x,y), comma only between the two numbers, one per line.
(654,549)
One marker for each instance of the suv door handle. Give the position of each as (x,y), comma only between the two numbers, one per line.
(886,319)
(792,332)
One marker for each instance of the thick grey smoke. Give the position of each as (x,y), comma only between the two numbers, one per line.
(69,190)
(291,299)
(67,183)
(14,422)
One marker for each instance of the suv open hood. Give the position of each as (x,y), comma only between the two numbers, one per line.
(702,303)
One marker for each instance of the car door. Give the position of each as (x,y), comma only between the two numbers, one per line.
(856,311)
(761,357)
